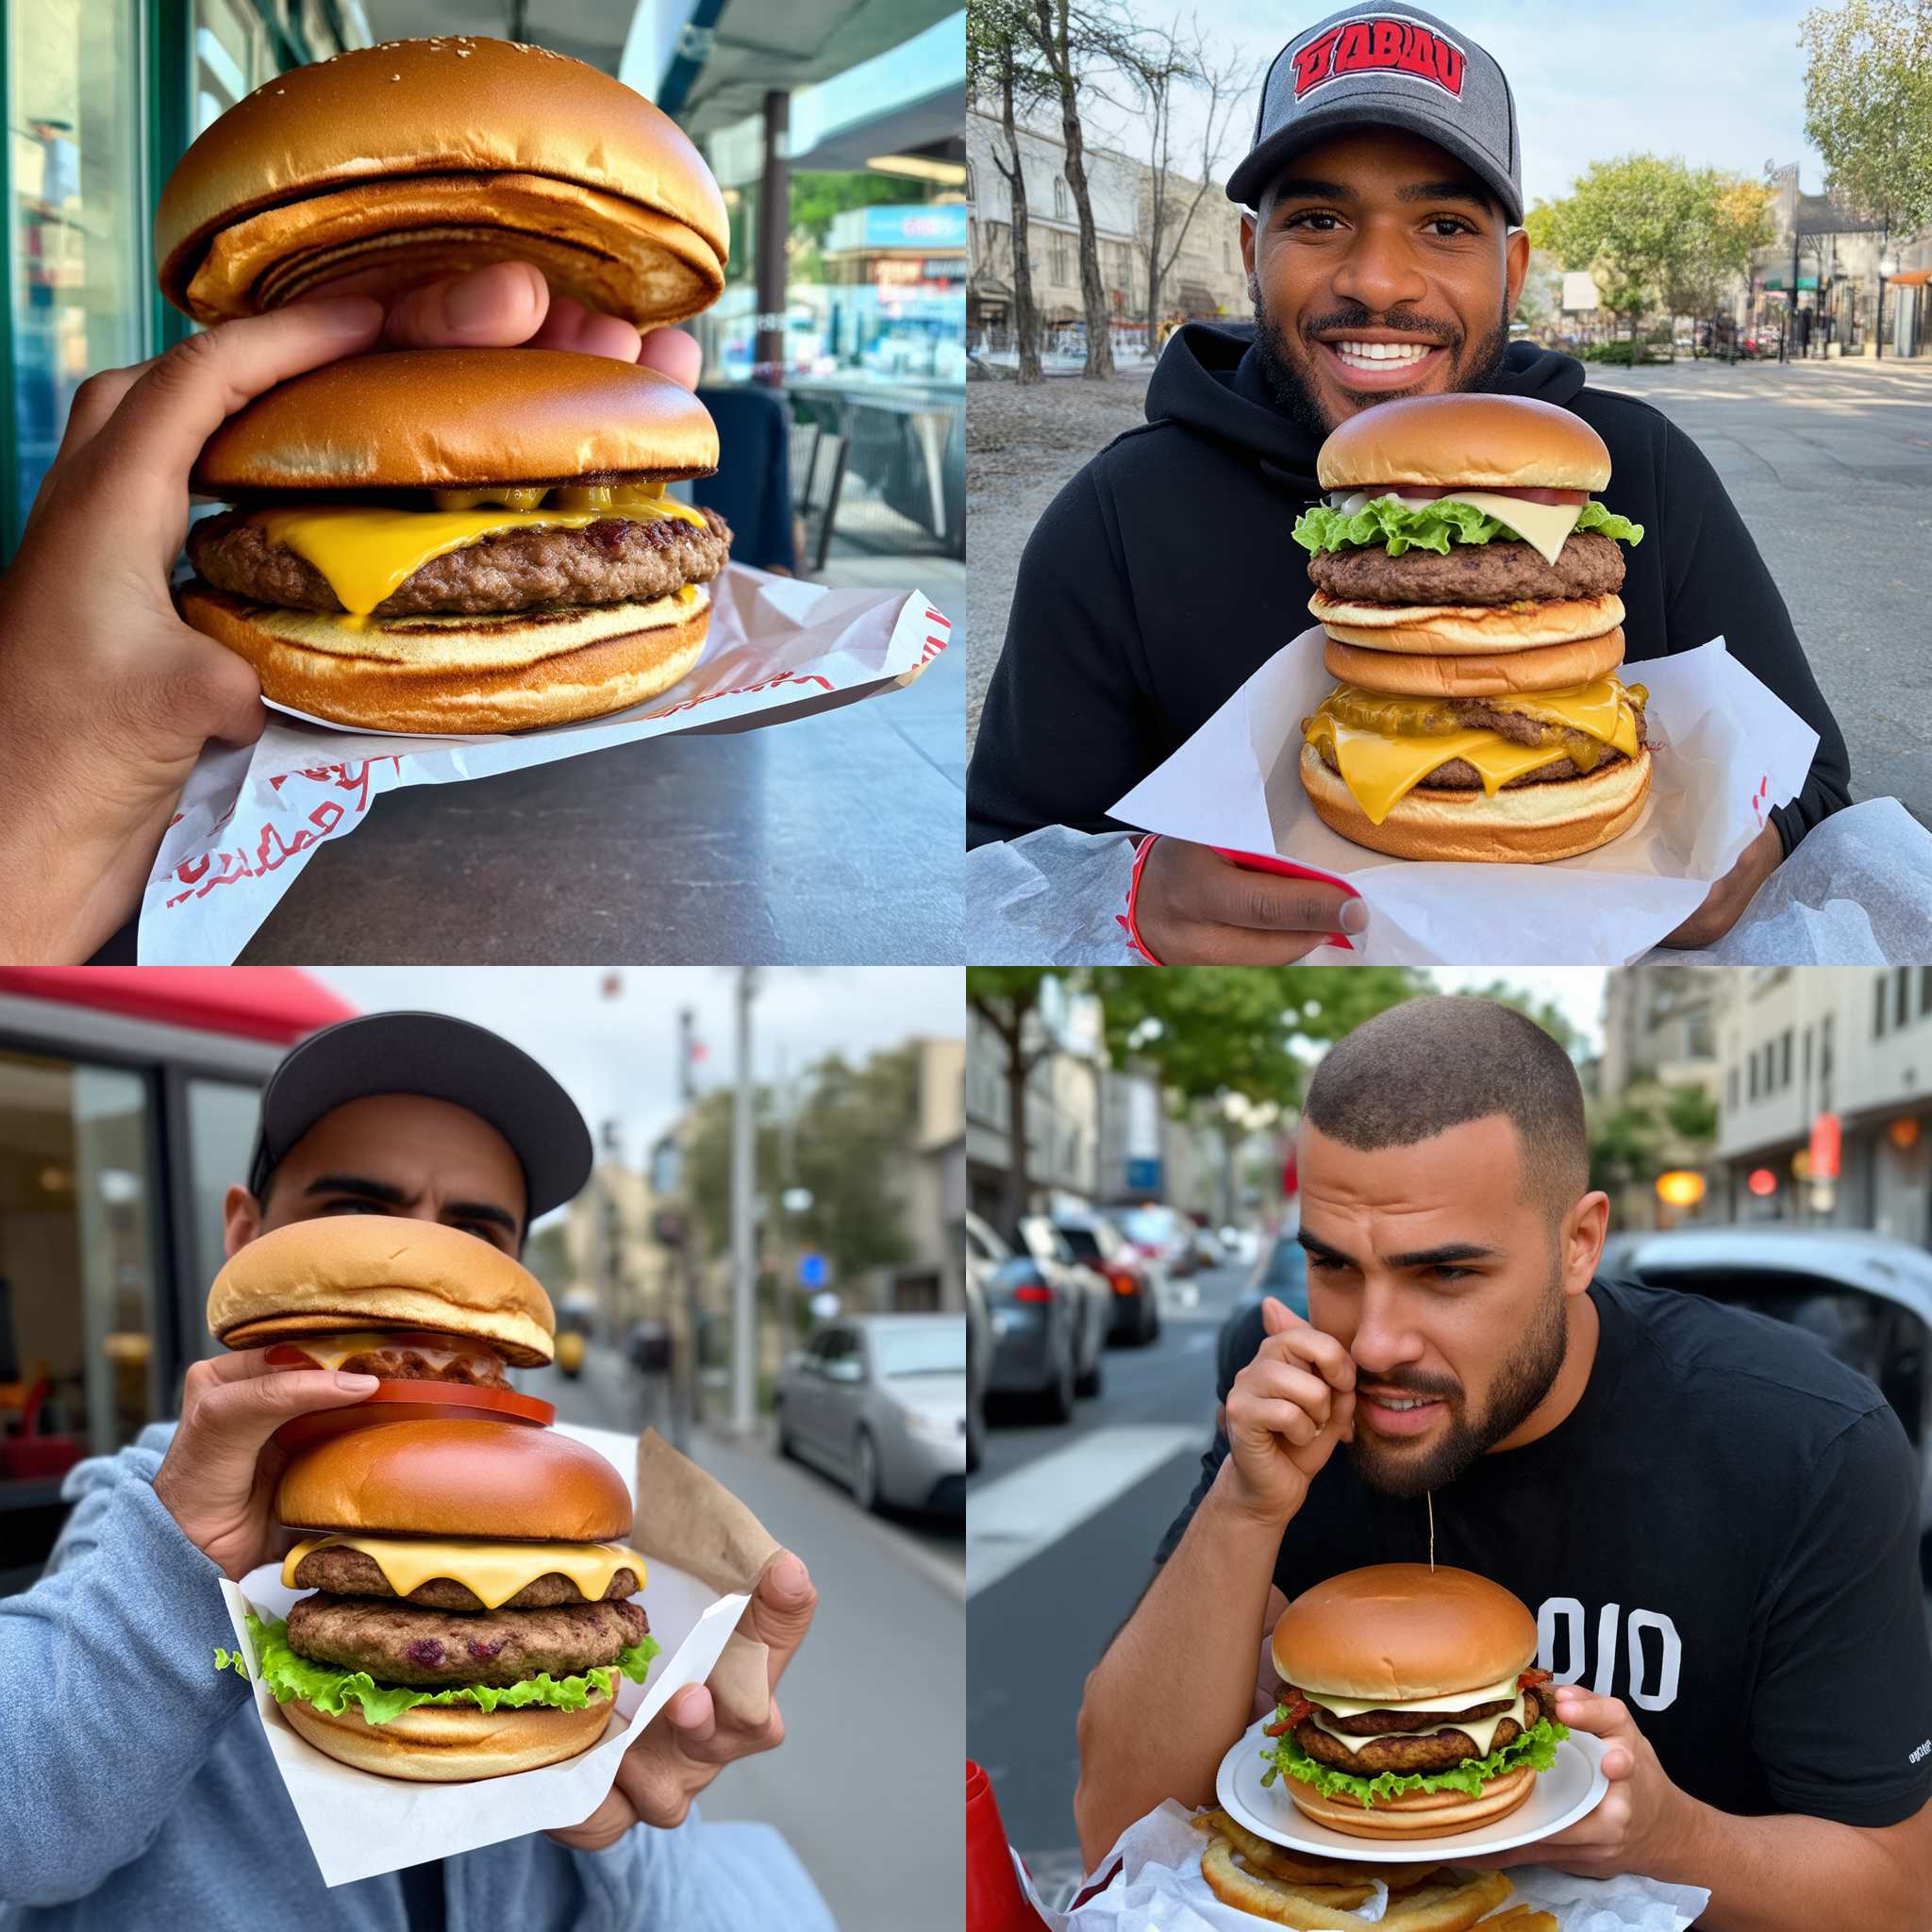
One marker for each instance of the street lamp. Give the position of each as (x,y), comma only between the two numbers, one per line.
(1888,267)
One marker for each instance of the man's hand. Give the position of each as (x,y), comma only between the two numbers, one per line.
(219,1476)
(1729,898)
(688,1742)
(1636,1826)
(1197,908)
(1286,1412)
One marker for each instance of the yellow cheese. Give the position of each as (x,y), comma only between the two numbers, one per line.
(1381,767)
(368,553)
(1462,1700)
(1544,526)
(1482,1732)
(493,1571)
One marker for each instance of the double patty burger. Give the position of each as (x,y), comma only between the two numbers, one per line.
(471,1608)
(1468,584)
(1411,1709)
(452,540)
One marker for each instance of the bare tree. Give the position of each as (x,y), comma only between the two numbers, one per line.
(1163,62)
(1002,61)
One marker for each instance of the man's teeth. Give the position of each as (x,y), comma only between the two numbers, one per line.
(1368,353)
(1403,1402)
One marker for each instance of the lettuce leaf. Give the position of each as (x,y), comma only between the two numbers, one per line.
(1537,1747)
(1399,526)
(330,1688)
(231,1660)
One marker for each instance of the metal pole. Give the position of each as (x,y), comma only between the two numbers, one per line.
(687,1255)
(775,228)
(744,1336)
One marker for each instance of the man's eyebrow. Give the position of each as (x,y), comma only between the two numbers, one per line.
(1448,190)
(358,1184)
(481,1211)
(1316,1246)
(1449,1251)
(1305,187)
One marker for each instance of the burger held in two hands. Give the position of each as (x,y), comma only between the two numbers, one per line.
(1468,584)
(459,538)
(471,1607)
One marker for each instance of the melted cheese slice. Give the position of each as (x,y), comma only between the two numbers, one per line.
(1380,768)
(1482,1732)
(367,553)
(493,1571)
(1462,1700)
(1544,526)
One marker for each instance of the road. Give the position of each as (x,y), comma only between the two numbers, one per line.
(866,1786)
(1061,1525)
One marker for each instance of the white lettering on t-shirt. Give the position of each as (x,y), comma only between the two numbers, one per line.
(1564,1617)
(1923,1751)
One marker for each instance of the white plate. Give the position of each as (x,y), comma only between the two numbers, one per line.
(1575,1787)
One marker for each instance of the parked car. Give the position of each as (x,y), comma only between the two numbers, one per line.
(1087,1287)
(1208,1252)
(978,1366)
(1865,1297)
(1033,1336)
(879,1403)
(1160,1233)
(1133,1284)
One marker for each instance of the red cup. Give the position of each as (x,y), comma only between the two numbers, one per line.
(995,1902)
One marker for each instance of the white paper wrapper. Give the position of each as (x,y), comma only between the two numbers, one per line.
(250,819)
(359,1824)
(1159,1886)
(1727,750)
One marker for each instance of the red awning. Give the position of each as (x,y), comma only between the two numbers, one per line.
(1911,278)
(277,1002)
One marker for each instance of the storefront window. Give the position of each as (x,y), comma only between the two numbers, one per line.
(221,1133)
(232,56)
(79,293)
(77,1282)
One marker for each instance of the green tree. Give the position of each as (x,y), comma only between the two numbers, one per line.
(818,197)
(1008,999)
(1632,222)
(1648,1129)
(1868,105)
(1734,220)
(1003,66)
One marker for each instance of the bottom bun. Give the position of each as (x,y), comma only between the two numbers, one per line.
(1416,1814)
(452,1743)
(456,674)
(1528,824)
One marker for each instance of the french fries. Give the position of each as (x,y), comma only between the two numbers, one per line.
(1313,1895)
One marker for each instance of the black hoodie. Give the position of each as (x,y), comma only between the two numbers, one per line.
(1164,574)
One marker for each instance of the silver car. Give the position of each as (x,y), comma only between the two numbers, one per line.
(1084,1285)
(879,1403)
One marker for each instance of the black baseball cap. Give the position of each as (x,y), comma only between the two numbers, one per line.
(1388,66)
(440,1058)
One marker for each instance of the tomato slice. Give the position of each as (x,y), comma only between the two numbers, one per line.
(409,1402)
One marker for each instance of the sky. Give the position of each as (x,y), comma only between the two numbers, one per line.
(1721,85)
(617,1056)
(1577,991)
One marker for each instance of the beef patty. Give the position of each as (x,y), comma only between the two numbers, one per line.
(397,1363)
(351,1573)
(1410,1751)
(1459,775)
(399,1643)
(1502,571)
(614,561)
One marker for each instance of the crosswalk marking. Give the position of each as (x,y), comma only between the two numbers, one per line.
(1011,1517)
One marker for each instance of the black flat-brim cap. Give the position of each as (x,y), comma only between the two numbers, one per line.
(1386,67)
(438,1057)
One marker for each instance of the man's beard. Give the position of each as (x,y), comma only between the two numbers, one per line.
(1479,373)
(1526,1376)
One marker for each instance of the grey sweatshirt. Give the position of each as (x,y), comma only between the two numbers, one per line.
(136,1787)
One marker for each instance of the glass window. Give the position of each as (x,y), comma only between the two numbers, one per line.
(232,56)
(77,1288)
(79,287)
(938,1349)
(220,1135)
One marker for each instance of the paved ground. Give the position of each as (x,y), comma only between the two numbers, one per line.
(1829,463)
(866,1786)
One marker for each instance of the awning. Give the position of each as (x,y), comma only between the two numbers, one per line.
(1910,278)
(273,1003)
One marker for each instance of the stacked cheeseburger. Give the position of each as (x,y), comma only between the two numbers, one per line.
(452,540)
(471,1610)
(1468,584)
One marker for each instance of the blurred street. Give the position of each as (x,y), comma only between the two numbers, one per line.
(873,1704)
(1062,1526)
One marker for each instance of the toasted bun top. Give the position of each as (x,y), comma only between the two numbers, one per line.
(450,105)
(1402,1632)
(1540,667)
(429,418)
(1478,441)
(347,1272)
(439,1477)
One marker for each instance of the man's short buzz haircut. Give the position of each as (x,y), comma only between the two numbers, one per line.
(1417,1069)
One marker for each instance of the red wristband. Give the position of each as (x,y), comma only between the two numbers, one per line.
(1129,922)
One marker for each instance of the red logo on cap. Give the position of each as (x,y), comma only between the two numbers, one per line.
(1377,43)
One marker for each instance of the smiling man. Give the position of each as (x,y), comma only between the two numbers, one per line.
(1716,1522)
(1380,205)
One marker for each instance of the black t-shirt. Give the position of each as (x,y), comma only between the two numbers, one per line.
(1723,1533)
